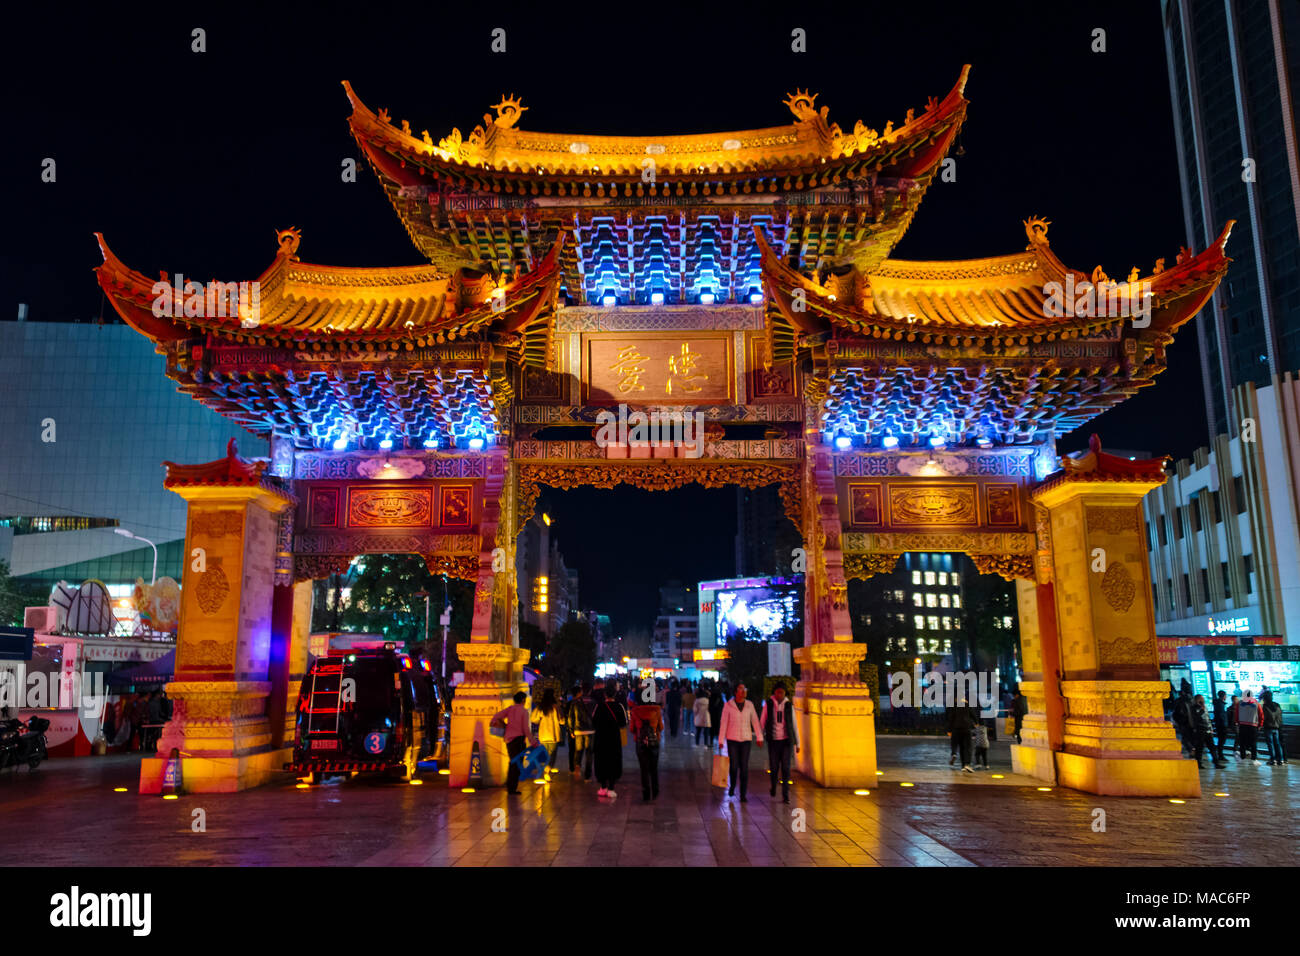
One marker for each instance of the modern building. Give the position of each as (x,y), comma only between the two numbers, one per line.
(675,635)
(765,537)
(87,417)
(1234,75)
(1224,530)
(919,608)
(548,589)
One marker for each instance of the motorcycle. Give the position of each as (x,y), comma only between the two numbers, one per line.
(17,747)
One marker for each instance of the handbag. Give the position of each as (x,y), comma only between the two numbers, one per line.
(622,731)
(721,776)
(532,762)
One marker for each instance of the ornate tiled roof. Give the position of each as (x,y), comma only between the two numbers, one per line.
(298,303)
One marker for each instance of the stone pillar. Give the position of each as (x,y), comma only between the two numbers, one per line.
(1040,732)
(1115,740)
(834,709)
(290,627)
(493,661)
(222,683)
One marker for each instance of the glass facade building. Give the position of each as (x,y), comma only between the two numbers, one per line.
(1233,69)
(87,417)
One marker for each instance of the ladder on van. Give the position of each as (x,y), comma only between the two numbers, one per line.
(325,700)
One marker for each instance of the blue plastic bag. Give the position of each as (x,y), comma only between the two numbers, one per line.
(532,763)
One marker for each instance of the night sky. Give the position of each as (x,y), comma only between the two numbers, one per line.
(189,162)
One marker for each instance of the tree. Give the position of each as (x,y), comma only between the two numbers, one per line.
(571,654)
(382,602)
(533,639)
(16,596)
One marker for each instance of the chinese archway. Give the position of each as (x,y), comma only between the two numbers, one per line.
(743,276)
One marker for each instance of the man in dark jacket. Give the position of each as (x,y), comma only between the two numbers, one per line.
(1019,707)
(1203,734)
(961,721)
(1272,727)
(782,737)
(1182,720)
(1221,719)
(673,704)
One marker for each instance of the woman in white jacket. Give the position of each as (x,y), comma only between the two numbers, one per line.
(702,722)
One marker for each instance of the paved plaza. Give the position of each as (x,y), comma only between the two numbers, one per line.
(69,814)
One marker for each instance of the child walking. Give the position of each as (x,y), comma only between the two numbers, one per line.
(980,737)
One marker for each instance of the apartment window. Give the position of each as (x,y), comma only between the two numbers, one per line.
(1227,583)
(918,599)
(956,600)
(1239,492)
(943,578)
(929,577)
(916,577)
(1205,584)
(1161,533)
(1006,622)
(902,618)
(933,622)
(919,620)
(900,596)
(947,623)
(943,600)
(1194,512)
(956,624)
(931,600)
(955,579)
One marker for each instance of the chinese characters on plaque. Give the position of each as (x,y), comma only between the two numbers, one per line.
(668,370)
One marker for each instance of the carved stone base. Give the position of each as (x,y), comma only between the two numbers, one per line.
(217,774)
(1036,762)
(491,680)
(837,733)
(223,735)
(1117,742)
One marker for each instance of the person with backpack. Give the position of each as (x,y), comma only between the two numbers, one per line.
(647,729)
(545,720)
(782,737)
(1203,734)
(512,721)
(1249,719)
(1272,724)
(608,719)
(580,732)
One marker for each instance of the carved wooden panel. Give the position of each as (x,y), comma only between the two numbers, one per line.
(923,503)
(455,506)
(323,511)
(866,505)
(666,368)
(1002,503)
(386,507)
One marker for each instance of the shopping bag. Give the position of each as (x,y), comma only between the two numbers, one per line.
(532,762)
(721,770)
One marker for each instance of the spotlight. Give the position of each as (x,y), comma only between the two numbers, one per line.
(889,441)
(984,441)
(706,297)
(386,443)
(609,300)
(756,298)
(431,443)
(341,443)
(937,441)
(476,443)
(656,298)
(843,441)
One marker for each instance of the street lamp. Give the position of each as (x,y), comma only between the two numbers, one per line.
(130,534)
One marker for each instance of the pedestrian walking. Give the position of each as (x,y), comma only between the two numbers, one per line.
(1203,728)
(700,717)
(1273,722)
(647,729)
(1019,707)
(546,725)
(961,722)
(609,719)
(1249,719)
(513,722)
(1221,720)
(688,707)
(980,740)
(782,737)
(673,704)
(739,729)
(716,703)
(1233,729)
(580,732)
(1182,720)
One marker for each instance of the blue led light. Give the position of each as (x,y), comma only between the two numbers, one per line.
(476,443)
(341,443)
(609,300)
(984,441)
(756,297)
(889,441)
(431,443)
(843,442)
(937,441)
(656,298)
(706,296)
(386,443)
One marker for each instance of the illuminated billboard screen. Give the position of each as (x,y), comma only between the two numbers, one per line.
(756,613)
